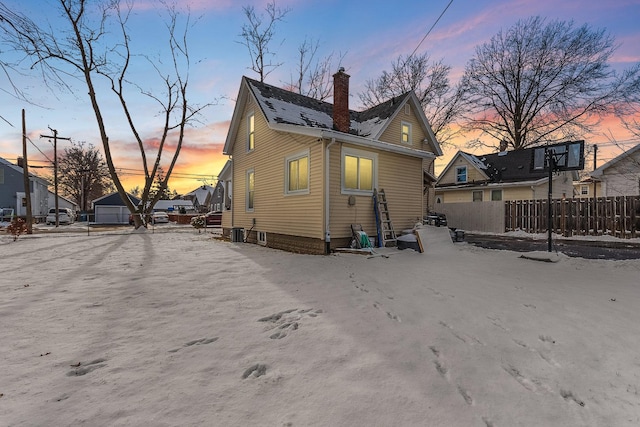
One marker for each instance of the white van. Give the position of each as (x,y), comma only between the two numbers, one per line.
(65,216)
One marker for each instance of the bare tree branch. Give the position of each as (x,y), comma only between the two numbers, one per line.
(429,80)
(258,34)
(540,82)
(80,51)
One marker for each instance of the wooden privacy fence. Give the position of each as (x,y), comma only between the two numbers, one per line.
(614,216)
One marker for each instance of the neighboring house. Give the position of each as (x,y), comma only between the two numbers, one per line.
(304,170)
(173,206)
(12,194)
(506,175)
(217,197)
(584,188)
(224,179)
(111,209)
(63,202)
(621,175)
(201,198)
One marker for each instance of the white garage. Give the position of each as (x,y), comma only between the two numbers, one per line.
(111,209)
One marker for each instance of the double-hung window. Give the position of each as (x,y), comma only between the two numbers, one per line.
(297,174)
(477,196)
(461,174)
(359,169)
(406,133)
(251,132)
(251,185)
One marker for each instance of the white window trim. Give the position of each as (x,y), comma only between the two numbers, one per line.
(466,174)
(287,160)
(348,151)
(409,136)
(251,114)
(261,237)
(582,187)
(246,203)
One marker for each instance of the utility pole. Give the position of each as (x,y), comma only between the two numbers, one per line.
(25,173)
(55,165)
(551,162)
(595,186)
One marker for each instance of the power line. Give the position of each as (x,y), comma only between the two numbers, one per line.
(430,29)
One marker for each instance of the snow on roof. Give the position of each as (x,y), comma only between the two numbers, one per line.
(285,107)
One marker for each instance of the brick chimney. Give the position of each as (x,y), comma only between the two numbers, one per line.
(341,119)
(504,144)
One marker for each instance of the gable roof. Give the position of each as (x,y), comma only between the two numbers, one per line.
(52,194)
(114,199)
(292,112)
(201,194)
(503,167)
(626,154)
(20,170)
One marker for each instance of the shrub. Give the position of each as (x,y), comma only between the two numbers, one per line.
(17,227)
(198,222)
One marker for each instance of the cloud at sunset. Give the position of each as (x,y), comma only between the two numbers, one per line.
(371,35)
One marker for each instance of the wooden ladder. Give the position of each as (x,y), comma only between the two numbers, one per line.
(385,227)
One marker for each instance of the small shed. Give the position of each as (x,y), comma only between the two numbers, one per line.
(111,209)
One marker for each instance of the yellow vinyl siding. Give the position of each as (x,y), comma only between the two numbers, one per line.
(473,174)
(401,178)
(393,132)
(274,211)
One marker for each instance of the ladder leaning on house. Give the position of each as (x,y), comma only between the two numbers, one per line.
(386,233)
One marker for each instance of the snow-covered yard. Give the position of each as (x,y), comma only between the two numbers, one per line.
(179,329)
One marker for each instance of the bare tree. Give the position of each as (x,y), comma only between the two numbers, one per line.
(314,79)
(79,50)
(429,80)
(258,34)
(540,82)
(83,175)
(628,106)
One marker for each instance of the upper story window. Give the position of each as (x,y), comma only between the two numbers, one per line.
(477,196)
(496,195)
(251,132)
(297,174)
(461,174)
(584,190)
(250,189)
(359,169)
(406,133)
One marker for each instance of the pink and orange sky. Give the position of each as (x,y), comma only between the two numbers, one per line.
(370,35)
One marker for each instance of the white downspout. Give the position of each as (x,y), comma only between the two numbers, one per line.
(327,181)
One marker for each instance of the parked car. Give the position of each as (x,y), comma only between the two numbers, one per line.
(155,218)
(65,216)
(213,218)
(159,217)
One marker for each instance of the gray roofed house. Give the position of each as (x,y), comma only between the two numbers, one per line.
(12,194)
(505,175)
(111,209)
(301,171)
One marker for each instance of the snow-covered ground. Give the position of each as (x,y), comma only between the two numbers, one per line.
(176,328)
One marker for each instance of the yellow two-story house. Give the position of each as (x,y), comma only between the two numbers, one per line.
(506,175)
(301,171)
